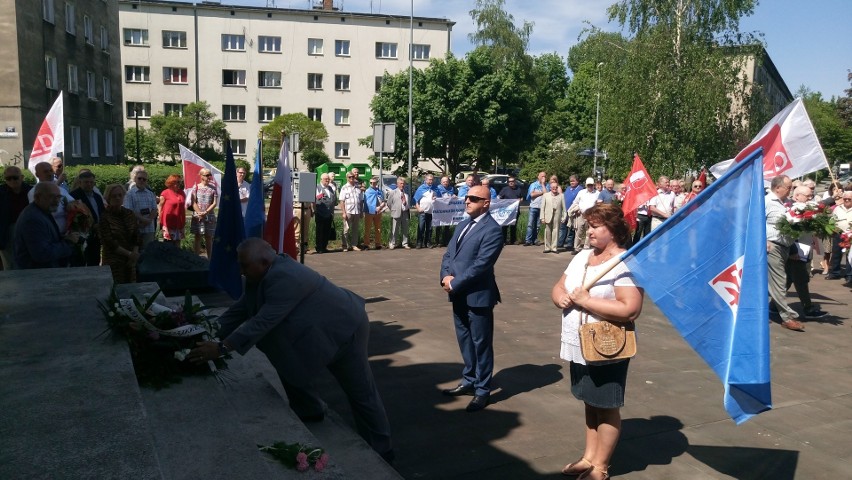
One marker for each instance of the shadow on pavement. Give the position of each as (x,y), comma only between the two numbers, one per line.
(524,378)
(748,463)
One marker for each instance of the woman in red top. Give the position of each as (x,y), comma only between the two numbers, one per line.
(172,208)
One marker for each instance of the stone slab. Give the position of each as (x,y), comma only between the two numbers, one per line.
(175,270)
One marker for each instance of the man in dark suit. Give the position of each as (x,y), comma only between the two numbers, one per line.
(303,323)
(38,243)
(88,195)
(467,275)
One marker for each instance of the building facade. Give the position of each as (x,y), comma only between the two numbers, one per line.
(54,46)
(252,64)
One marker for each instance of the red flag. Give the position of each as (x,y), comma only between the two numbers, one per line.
(280,228)
(50,139)
(192,164)
(702,177)
(640,187)
(790,146)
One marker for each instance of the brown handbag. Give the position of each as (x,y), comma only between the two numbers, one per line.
(605,341)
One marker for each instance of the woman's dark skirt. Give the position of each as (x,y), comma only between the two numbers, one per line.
(600,386)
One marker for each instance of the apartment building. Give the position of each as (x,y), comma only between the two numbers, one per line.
(69,46)
(252,64)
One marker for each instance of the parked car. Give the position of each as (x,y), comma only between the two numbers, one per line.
(498,181)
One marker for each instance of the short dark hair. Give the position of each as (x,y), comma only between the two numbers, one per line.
(612,218)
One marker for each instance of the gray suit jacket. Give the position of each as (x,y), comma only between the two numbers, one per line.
(395,204)
(297,317)
(38,243)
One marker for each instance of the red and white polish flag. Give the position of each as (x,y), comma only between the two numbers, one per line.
(280,228)
(790,146)
(192,164)
(51,136)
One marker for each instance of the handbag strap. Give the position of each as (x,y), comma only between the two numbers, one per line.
(584,315)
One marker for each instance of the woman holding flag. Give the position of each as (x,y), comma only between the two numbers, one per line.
(613,297)
(204,201)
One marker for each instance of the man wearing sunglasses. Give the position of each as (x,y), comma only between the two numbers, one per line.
(467,275)
(13,200)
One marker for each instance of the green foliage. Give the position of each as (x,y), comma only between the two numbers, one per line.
(197,128)
(312,137)
(495,29)
(834,136)
(149,145)
(313,158)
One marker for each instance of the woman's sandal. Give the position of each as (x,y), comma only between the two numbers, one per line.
(588,473)
(574,469)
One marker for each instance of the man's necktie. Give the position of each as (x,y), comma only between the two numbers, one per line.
(464,232)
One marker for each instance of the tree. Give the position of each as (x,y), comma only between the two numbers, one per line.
(312,138)
(834,136)
(495,29)
(149,145)
(196,127)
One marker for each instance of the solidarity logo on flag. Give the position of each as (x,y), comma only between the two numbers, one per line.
(50,139)
(790,146)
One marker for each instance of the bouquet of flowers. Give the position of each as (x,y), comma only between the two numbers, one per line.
(78,219)
(807,218)
(845,240)
(161,336)
(297,455)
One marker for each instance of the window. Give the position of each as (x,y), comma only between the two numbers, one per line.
(314,46)
(269,79)
(76,150)
(234,43)
(88,30)
(341,116)
(143,107)
(175,109)
(233,78)
(70,19)
(48,10)
(379,81)
(136,37)
(385,50)
(104,39)
(91,89)
(137,74)
(315,114)
(238,147)
(93,142)
(174,75)
(109,140)
(341,149)
(341,48)
(268,44)
(107,90)
(420,52)
(314,81)
(267,114)
(51,75)
(234,113)
(174,39)
(73,82)
(341,82)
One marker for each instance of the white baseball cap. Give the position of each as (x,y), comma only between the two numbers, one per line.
(590,181)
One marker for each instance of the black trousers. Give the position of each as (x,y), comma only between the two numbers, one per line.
(643,227)
(323,232)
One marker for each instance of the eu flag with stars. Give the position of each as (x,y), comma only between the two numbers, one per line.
(706,270)
(224,266)
(256,210)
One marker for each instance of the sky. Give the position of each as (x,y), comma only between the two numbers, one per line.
(809,41)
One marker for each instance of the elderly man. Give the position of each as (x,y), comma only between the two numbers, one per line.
(399,204)
(95,203)
(467,275)
(534,193)
(351,205)
(326,200)
(44,173)
(424,197)
(584,200)
(553,213)
(566,229)
(843,218)
(800,256)
(59,178)
(278,314)
(662,207)
(38,241)
(13,200)
(374,201)
(778,251)
(608,193)
(445,190)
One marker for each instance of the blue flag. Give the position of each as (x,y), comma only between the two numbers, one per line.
(224,266)
(256,210)
(706,270)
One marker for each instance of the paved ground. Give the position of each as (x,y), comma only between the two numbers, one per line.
(674,422)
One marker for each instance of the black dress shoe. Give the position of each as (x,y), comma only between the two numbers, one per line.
(478,403)
(459,391)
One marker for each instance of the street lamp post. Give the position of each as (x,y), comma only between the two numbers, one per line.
(597,122)
(136,116)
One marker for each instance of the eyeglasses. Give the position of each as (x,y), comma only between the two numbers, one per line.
(847,199)
(474,199)
(698,186)
(13,178)
(141,179)
(207,175)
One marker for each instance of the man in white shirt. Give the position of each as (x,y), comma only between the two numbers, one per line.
(661,207)
(778,251)
(351,202)
(584,200)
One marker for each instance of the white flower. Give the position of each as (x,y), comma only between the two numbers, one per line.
(180,355)
(111,314)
